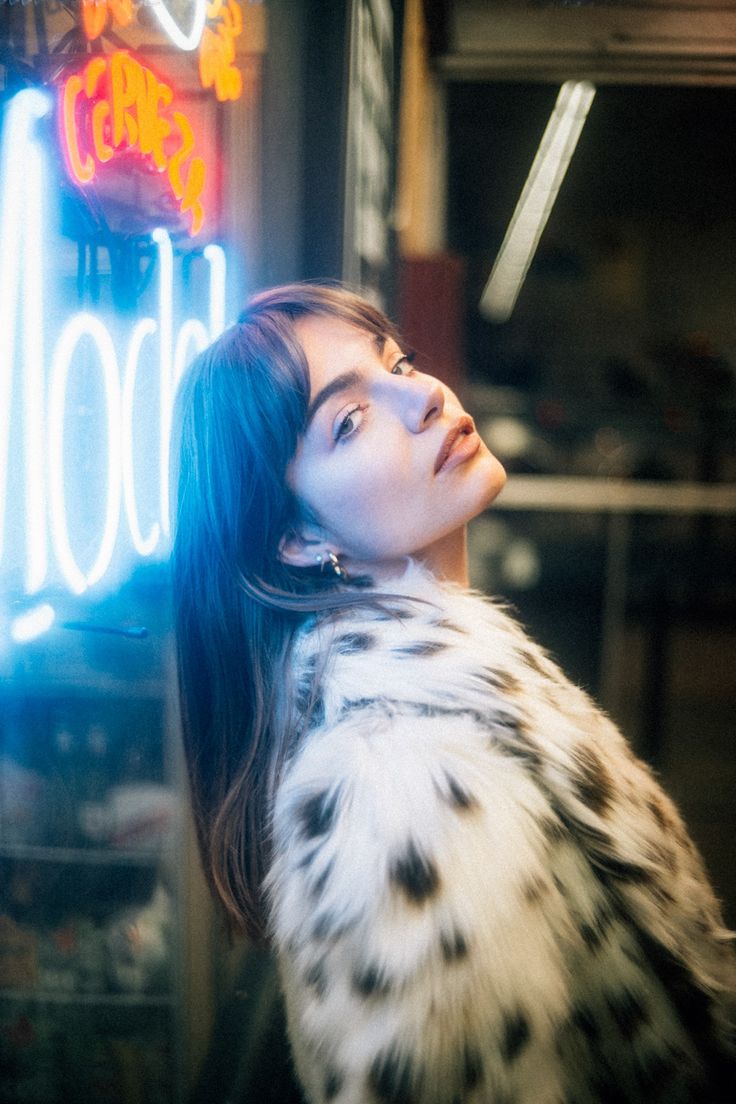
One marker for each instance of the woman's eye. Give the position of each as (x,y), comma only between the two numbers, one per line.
(349,423)
(403,365)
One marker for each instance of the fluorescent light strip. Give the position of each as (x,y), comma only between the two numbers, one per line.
(21,168)
(144,546)
(215,256)
(536,200)
(166,390)
(79,326)
(33,362)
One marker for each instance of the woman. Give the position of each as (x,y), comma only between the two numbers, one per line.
(474,890)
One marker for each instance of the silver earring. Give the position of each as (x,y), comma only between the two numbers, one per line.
(335,565)
(337,569)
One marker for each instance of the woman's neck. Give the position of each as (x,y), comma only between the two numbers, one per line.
(447,558)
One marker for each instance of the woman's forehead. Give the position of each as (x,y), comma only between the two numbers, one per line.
(332,345)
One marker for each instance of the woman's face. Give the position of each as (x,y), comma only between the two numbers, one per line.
(390,463)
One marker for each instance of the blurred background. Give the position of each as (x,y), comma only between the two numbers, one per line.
(542,195)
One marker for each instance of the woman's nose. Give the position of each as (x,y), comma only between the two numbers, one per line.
(423,401)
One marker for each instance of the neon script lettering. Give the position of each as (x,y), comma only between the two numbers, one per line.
(217,66)
(37,375)
(115,103)
(95,14)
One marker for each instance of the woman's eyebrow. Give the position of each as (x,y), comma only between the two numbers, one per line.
(340,383)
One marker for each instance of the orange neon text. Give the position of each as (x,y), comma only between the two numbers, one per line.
(95,14)
(217,66)
(115,104)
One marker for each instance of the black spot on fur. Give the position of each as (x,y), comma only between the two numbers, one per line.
(458,796)
(333,1084)
(605,914)
(594,837)
(667,858)
(424,709)
(691,1004)
(583,1019)
(361,703)
(369,982)
(595,931)
(354,642)
(657,810)
(553,829)
(327,926)
(445,623)
(591,936)
(628,1011)
(316,978)
(391,1079)
(661,894)
(516,1035)
(506,725)
(380,706)
(454,946)
(309,666)
(593,783)
(308,858)
(514,739)
(416,875)
(319,886)
(634,955)
(559,885)
(535,890)
(422,648)
(606,867)
(533,663)
(310,703)
(499,680)
(472,1067)
(316,813)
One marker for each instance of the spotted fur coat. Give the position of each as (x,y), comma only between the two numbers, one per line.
(478,894)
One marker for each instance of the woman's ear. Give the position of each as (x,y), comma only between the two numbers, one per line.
(303,548)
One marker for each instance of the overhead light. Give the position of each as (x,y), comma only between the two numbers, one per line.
(536,200)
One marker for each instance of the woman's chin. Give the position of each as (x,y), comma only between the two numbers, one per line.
(495,481)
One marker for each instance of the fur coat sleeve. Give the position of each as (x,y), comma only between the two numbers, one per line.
(478,894)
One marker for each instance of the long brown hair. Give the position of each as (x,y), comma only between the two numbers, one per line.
(237,606)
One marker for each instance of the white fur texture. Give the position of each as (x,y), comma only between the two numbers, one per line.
(478,894)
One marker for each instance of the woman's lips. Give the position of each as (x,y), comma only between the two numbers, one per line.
(464,446)
(461,443)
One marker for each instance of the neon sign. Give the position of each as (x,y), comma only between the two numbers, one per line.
(216,42)
(36,466)
(184,40)
(217,66)
(95,15)
(115,103)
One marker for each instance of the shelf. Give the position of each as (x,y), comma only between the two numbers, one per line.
(94,856)
(109,1000)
